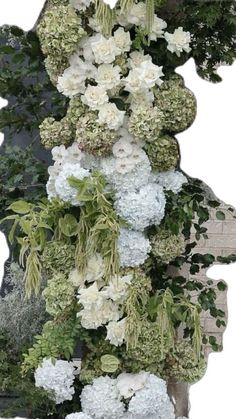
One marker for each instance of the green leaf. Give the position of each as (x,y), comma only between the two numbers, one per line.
(109,363)
(222,286)
(20,207)
(68,225)
(220,215)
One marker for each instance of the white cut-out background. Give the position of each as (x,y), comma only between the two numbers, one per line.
(208,151)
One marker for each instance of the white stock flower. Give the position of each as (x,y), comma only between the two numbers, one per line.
(90,297)
(117,288)
(133,247)
(157,28)
(142,209)
(85,69)
(128,383)
(57,377)
(122,148)
(137,14)
(149,74)
(108,76)
(122,40)
(94,97)
(71,82)
(171,180)
(110,115)
(137,57)
(63,189)
(104,50)
(116,332)
(80,5)
(178,41)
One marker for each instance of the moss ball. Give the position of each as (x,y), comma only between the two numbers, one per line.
(94,138)
(167,246)
(163,153)
(178,105)
(182,363)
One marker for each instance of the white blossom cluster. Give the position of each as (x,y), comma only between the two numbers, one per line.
(96,74)
(56,377)
(171,180)
(102,305)
(130,396)
(133,247)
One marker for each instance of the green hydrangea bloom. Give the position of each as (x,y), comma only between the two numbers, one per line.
(163,153)
(182,363)
(148,354)
(94,138)
(75,110)
(58,257)
(55,65)
(59,31)
(146,123)
(55,133)
(58,295)
(167,246)
(178,105)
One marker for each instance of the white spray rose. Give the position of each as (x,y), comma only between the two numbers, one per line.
(109,114)
(108,76)
(122,40)
(104,50)
(95,97)
(178,41)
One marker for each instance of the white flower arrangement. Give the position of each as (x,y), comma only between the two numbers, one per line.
(143,208)
(145,395)
(56,377)
(133,248)
(178,41)
(171,180)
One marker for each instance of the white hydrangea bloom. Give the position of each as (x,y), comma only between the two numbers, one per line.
(57,377)
(71,154)
(101,400)
(110,115)
(122,40)
(137,14)
(128,383)
(133,247)
(178,41)
(63,190)
(116,289)
(78,416)
(116,332)
(152,400)
(104,50)
(108,76)
(94,97)
(157,28)
(71,82)
(142,209)
(80,5)
(127,174)
(122,148)
(171,180)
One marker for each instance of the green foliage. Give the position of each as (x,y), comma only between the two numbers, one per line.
(22,176)
(98,226)
(24,83)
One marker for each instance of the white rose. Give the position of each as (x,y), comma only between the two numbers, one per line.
(178,41)
(85,69)
(149,74)
(116,332)
(104,50)
(109,114)
(94,97)
(71,82)
(122,40)
(108,76)
(137,57)
(90,297)
(133,83)
(85,49)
